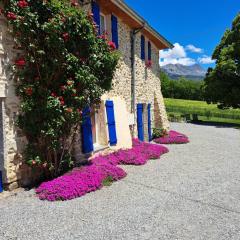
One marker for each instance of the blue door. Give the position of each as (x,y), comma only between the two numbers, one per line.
(111,123)
(140,122)
(149,123)
(87,138)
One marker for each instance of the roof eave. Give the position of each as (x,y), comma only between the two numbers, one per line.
(122,5)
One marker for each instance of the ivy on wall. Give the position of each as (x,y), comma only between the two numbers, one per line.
(64,67)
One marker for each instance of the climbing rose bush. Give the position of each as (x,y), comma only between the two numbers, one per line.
(91,177)
(173,137)
(63,67)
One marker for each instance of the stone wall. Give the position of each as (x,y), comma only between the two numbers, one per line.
(14,171)
(148,85)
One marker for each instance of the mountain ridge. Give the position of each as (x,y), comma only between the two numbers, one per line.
(176,71)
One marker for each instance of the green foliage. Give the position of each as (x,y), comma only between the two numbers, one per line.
(64,67)
(181,88)
(107,182)
(222,83)
(159,132)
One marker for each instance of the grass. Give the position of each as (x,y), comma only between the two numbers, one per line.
(205,112)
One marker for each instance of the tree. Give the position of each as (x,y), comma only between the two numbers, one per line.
(181,88)
(222,83)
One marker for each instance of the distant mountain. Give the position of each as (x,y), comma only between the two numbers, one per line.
(175,71)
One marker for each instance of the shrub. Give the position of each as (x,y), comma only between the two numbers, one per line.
(172,138)
(159,132)
(64,67)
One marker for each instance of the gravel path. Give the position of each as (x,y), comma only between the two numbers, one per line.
(193,192)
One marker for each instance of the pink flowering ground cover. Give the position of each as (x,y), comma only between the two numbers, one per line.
(173,137)
(90,178)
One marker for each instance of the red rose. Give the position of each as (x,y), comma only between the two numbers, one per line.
(79,111)
(45,165)
(53,94)
(90,14)
(11,16)
(18,34)
(20,62)
(90,17)
(69,110)
(103,36)
(149,64)
(69,83)
(112,45)
(63,19)
(63,88)
(82,60)
(22,4)
(61,99)
(29,91)
(74,3)
(65,37)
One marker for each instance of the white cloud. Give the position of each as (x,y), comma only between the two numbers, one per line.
(177,55)
(193,49)
(206,60)
(176,52)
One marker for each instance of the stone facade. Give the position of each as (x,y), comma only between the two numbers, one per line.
(14,171)
(148,85)
(148,90)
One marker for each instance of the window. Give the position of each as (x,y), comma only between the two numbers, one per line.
(96,14)
(102,24)
(142,47)
(149,51)
(115,30)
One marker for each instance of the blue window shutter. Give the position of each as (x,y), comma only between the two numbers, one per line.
(96,14)
(87,139)
(1,182)
(149,123)
(149,51)
(115,30)
(111,123)
(140,122)
(142,47)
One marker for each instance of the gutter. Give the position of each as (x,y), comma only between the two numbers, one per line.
(134,32)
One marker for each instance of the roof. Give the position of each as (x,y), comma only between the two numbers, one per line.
(135,21)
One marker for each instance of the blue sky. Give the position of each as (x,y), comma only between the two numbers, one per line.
(194,26)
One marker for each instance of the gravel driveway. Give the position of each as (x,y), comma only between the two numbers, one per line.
(193,192)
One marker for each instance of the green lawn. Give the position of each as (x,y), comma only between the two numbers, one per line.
(205,111)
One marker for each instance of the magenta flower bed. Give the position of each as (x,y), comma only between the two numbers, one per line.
(172,138)
(79,182)
(90,178)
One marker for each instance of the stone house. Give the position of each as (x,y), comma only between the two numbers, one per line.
(131,109)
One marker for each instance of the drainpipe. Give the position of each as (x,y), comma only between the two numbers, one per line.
(133,73)
(1,142)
